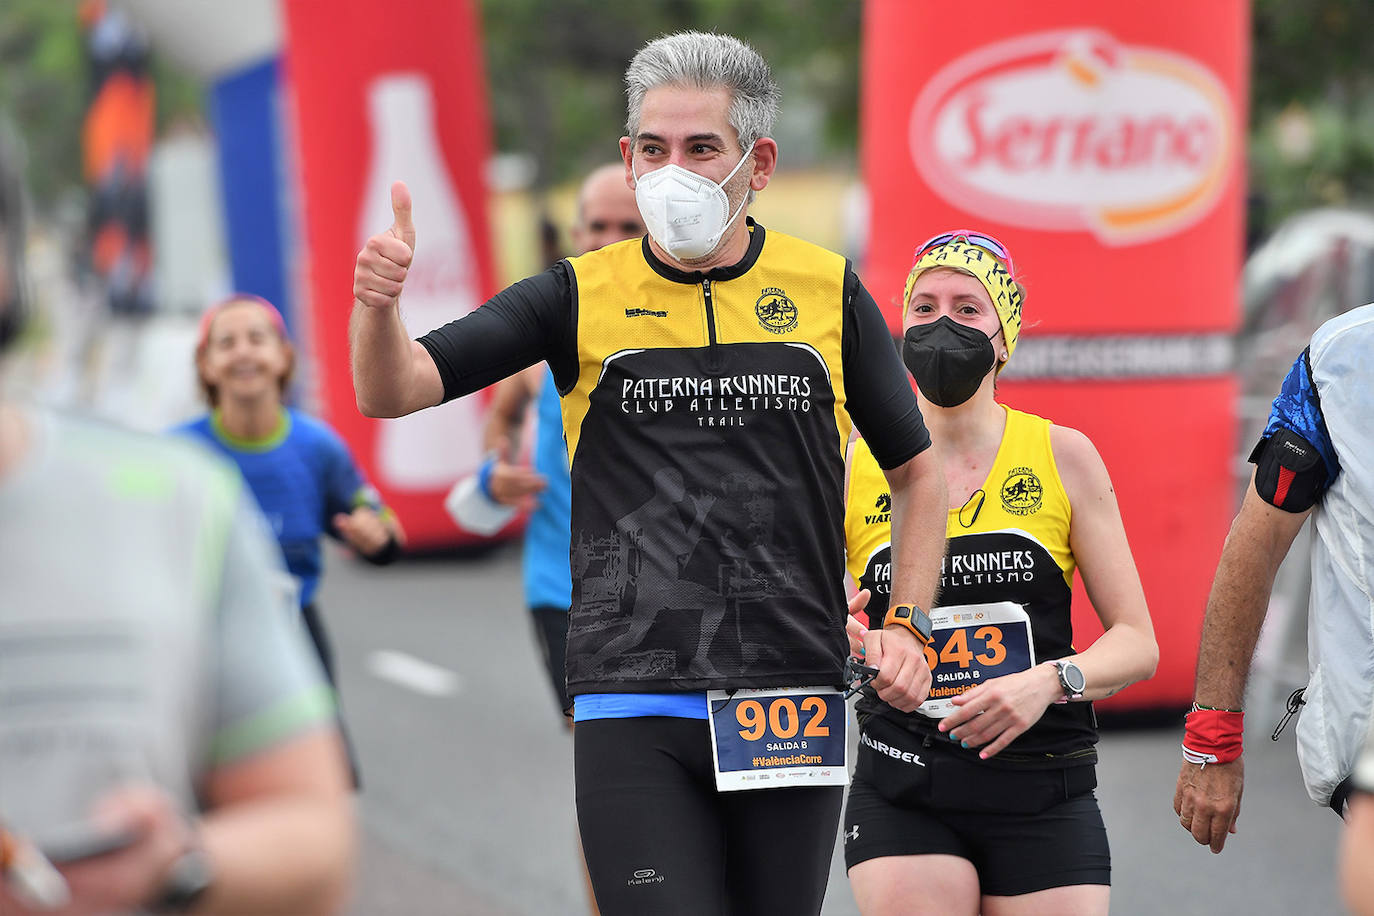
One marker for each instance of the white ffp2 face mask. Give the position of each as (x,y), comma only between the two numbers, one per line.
(686,213)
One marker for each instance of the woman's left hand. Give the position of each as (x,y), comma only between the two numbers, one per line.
(993,714)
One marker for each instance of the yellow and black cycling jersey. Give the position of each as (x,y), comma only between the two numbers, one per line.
(706,416)
(1008,543)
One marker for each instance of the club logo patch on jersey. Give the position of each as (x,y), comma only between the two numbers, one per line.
(1021,491)
(884,514)
(776,312)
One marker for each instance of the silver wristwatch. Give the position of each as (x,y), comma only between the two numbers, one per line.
(1071,679)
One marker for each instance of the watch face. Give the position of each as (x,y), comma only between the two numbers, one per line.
(923,623)
(187,881)
(1071,676)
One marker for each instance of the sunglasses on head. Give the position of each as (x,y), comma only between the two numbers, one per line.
(971,237)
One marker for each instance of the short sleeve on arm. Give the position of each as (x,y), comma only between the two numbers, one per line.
(345,487)
(879,396)
(1297,408)
(519,326)
(268,685)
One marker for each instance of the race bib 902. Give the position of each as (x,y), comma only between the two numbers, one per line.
(778,737)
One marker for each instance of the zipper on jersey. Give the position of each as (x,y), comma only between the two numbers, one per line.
(712,351)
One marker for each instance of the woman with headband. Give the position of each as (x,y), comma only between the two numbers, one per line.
(982,800)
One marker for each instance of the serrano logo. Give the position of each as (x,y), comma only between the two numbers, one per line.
(1073,131)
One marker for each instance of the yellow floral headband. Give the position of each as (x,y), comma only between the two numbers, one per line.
(987,269)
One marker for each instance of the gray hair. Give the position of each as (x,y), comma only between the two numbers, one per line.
(706,60)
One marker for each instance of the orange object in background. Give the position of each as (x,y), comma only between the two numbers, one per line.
(118,130)
(381,93)
(1103,144)
(116,141)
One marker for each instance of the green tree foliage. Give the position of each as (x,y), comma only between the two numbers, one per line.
(41,89)
(555,69)
(44,90)
(1312,105)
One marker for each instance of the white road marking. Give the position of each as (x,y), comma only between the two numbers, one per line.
(413,673)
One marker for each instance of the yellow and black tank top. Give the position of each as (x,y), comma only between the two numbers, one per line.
(868,529)
(1008,542)
(719,400)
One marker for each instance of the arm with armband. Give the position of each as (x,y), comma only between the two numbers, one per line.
(1293,467)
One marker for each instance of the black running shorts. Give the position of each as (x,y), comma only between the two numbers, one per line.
(1056,839)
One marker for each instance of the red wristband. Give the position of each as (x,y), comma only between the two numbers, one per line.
(1212,735)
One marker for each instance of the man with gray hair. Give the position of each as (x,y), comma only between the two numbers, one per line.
(710,375)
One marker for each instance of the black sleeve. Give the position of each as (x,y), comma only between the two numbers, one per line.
(879,394)
(519,326)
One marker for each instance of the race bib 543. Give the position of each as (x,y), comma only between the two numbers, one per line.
(974,643)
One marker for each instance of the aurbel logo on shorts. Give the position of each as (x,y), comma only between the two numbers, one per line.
(895,753)
(645,876)
(1072,130)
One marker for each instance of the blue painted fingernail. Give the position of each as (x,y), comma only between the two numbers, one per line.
(951,737)
(963,744)
(862,650)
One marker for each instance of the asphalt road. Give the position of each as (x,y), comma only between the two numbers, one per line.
(467,805)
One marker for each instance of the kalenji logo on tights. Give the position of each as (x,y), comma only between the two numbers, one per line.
(1072,130)
(645,876)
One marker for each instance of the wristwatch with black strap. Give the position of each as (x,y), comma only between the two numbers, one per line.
(186,883)
(912,618)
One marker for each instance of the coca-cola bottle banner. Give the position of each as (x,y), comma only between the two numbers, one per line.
(377,99)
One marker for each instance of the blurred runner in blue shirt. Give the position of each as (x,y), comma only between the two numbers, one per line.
(299,470)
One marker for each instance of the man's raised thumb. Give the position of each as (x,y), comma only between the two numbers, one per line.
(402,225)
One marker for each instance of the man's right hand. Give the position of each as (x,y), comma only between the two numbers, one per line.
(122,880)
(384,261)
(1207,800)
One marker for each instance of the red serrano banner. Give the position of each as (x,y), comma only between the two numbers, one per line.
(1103,143)
(378,98)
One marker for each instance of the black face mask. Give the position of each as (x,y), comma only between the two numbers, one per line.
(947,359)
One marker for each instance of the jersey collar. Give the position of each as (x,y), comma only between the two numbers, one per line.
(265,444)
(729,272)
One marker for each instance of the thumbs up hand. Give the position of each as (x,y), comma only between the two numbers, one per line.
(381,268)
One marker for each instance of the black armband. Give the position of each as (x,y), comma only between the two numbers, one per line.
(390,551)
(1289,471)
